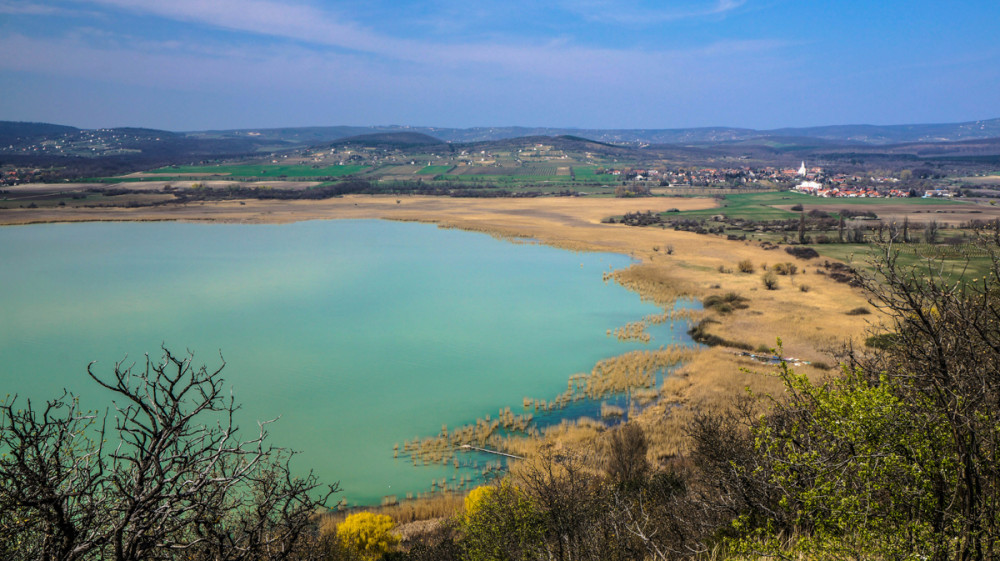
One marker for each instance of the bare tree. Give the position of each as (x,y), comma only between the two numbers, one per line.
(170,475)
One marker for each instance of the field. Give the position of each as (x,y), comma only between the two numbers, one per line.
(262,171)
(956,263)
(434,170)
(775,205)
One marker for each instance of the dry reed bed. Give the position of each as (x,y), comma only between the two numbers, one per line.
(635,370)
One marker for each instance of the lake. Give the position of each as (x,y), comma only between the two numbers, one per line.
(359,333)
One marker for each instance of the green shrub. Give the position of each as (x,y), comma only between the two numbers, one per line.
(504,523)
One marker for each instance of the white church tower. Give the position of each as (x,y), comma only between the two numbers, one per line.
(802,169)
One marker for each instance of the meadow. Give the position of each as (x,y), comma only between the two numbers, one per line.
(773,205)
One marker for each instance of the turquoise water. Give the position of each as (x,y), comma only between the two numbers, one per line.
(359,334)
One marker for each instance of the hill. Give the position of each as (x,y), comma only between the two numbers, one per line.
(15,133)
(392,139)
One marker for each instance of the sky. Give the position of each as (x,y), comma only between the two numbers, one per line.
(186,65)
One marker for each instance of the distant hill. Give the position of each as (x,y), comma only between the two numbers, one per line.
(392,139)
(17,133)
(866,134)
(892,134)
(99,152)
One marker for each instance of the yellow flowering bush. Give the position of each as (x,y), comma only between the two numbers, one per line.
(367,534)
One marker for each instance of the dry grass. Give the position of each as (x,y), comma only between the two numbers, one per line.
(431,507)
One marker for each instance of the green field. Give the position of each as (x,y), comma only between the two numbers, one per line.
(434,170)
(267,171)
(918,258)
(761,206)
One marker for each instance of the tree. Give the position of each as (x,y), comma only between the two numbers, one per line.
(627,461)
(931,232)
(170,474)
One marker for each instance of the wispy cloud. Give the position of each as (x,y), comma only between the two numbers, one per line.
(26,9)
(321,54)
(633,13)
(307,24)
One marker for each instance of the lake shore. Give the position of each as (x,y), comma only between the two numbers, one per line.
(808,311)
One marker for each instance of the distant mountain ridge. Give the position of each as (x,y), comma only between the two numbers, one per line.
(865,134)
(18,133)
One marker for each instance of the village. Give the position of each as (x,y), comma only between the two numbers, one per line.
(809,181)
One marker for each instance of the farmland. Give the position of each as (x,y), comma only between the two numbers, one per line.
(776,205)
(263,171)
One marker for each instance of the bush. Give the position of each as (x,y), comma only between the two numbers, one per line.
(859,311)
(785,268)
(746,266)
(627,463)
(882,341)
(725,303)
(802,252)
(368,535)
(505,524)
(770,280)
(477,498)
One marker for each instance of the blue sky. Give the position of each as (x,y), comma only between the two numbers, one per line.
(199,64)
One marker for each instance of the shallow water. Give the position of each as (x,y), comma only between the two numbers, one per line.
(359,334)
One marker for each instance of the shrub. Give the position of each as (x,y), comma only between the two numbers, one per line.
(746,266)
(802,252)
(700,334)
(505,524)
(367,534)
(785,268)
(627,461)
(770,280)
(725,303)
(804,287)
(882,341)
(859,311)
(476,498)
